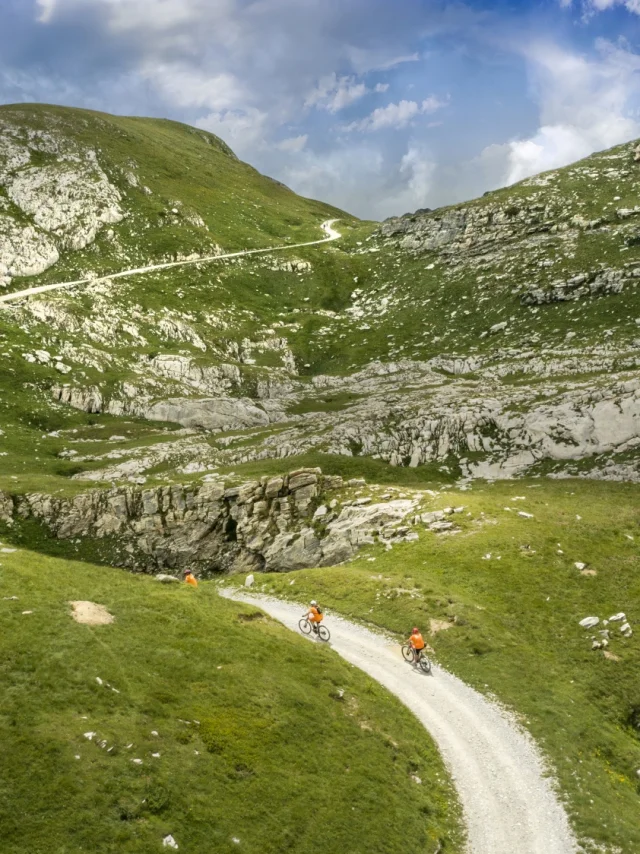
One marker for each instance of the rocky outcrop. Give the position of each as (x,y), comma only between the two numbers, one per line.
(470,228)
(598,283)
(221,413)
(216,414)
(61,205)
(71,201)
(24,251)
(209,379)
(267,524)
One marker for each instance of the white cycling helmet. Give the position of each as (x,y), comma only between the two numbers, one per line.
(313,602)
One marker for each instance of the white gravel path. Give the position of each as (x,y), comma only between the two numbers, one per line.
(326,226)
(509,802)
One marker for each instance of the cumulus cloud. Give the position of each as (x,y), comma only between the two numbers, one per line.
(334,93)
(395,115)
(363,180)
(586,104)
(592,6)
(185,86)
(293,144)
(244,130)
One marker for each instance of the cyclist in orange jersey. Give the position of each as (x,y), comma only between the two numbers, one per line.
(315,615)
(189,578)
(417,644)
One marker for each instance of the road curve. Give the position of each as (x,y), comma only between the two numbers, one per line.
(326,226)
(509,802)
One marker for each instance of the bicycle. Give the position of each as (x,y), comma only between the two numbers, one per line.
(307,628)
(423,661)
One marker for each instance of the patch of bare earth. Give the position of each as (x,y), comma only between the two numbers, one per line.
(90,614)
(436,626)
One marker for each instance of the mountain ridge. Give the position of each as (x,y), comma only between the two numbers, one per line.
(487,339)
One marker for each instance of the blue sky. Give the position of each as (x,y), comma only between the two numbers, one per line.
(379,106)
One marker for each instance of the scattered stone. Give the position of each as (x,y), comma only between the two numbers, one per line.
(169,842)
(525,515)
(440,527)
(166,579)
(137,761)
(617,617)
(249,581)
(580,566)
(589,622)
(27,612)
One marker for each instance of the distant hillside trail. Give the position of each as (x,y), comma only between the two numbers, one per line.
(326,226)
(508,800)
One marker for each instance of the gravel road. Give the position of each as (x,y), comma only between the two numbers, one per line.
(508,799)
(326,226)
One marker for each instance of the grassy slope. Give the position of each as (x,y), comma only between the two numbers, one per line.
(516,632)
(179,164)
(278,760)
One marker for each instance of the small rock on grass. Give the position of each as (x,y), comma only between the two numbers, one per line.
(589,622)
(169,842)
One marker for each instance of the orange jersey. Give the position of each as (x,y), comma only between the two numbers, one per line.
(191,579)
(314,615)
(416,641)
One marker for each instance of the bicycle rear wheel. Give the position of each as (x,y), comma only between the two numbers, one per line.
(407,652)
(323,633)
(425,664)
(305,626)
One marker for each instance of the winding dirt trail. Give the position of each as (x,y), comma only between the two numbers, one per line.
(509,802)
(326,226)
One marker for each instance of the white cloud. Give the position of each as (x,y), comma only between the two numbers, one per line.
(585,105)
(244,130)
(334,93)
(418,169)
(185,86)
(293,144)
(395,115)
(593,6)
(378,59)
(381,87)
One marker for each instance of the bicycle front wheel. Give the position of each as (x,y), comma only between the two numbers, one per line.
(323,633)
(425,664)
(305,626)
(407,652)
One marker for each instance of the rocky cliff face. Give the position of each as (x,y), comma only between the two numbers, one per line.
(60,205)
(276,524)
